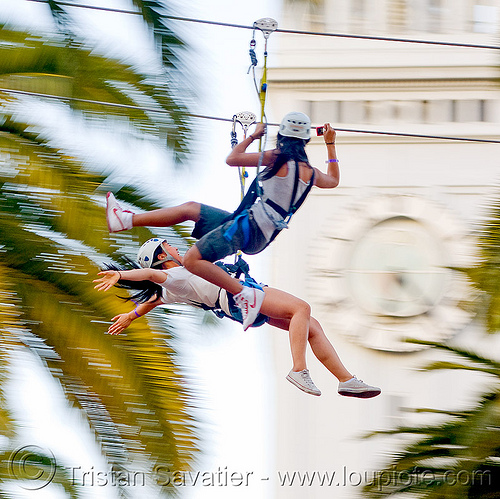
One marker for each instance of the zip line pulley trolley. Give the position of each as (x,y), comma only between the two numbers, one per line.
(246,119)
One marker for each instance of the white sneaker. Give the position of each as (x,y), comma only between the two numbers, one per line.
(354,387)
(118,219)
(249,300)
(303,381)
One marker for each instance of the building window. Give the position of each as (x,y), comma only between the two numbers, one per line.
(353,112)
(358,14)
(484,19)
(397,15)
(405,111)
(325,111)
(434,16)
(438,111)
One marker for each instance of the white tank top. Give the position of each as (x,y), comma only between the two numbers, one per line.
(181,286)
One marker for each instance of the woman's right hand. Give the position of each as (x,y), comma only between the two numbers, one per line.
(260,130)
(109,279)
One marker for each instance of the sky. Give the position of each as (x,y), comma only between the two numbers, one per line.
(234,374)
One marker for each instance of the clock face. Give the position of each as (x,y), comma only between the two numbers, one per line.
(396,269)
(384,273)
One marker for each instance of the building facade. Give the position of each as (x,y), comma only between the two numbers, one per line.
(373,256)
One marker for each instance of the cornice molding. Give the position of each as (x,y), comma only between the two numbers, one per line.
(402,84)
(408,78)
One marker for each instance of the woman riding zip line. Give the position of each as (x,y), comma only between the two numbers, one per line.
(278,192)
(163,280)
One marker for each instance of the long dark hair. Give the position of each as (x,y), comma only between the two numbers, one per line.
(145,289)
(289,148)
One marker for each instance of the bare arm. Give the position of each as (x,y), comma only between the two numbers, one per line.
(123,321)
(111,277)
(239,157)
(331,178)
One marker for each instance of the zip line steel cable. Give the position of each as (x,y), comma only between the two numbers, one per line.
(288,31)
(262,92)
(230,120)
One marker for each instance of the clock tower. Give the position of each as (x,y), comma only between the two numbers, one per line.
(377,256)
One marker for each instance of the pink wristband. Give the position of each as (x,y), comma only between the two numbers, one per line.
(135,312)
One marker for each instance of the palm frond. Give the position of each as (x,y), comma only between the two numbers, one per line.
(469,355)
(76,72)
(153,12)
(59,13)
(45,468)
(52,286)
(53,238)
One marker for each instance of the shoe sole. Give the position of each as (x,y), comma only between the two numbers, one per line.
(300,387)
(361,395)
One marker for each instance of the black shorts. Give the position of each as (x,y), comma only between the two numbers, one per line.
(211,228)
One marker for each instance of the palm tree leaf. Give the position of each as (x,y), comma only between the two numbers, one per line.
(46,468)
(153,12)
(462,445)
(126,372)
(78,74)
(454,365)
(58,12)
(52,233)
(468,355)
(10,315)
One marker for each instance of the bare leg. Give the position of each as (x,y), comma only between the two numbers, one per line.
(210,272)
(325,352)
(321,346)
(165,217)
(292,314)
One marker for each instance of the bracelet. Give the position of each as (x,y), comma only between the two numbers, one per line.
(135,312)
(251,137)
(120,274)
(330,143)
(332,161)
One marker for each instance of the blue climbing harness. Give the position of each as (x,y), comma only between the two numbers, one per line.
(241,215)
(236,270)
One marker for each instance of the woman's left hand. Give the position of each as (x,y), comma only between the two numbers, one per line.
(121,323)
(329,134)
(109,279)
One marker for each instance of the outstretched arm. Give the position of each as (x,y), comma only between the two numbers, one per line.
(123,321)
(239,156)
(111,277)
(331,178)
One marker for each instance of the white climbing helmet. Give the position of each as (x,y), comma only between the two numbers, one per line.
(145,256)
(297,125)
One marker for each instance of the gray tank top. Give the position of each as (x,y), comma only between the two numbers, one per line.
(279,190)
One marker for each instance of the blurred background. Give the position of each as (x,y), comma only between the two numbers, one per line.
(399,262)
